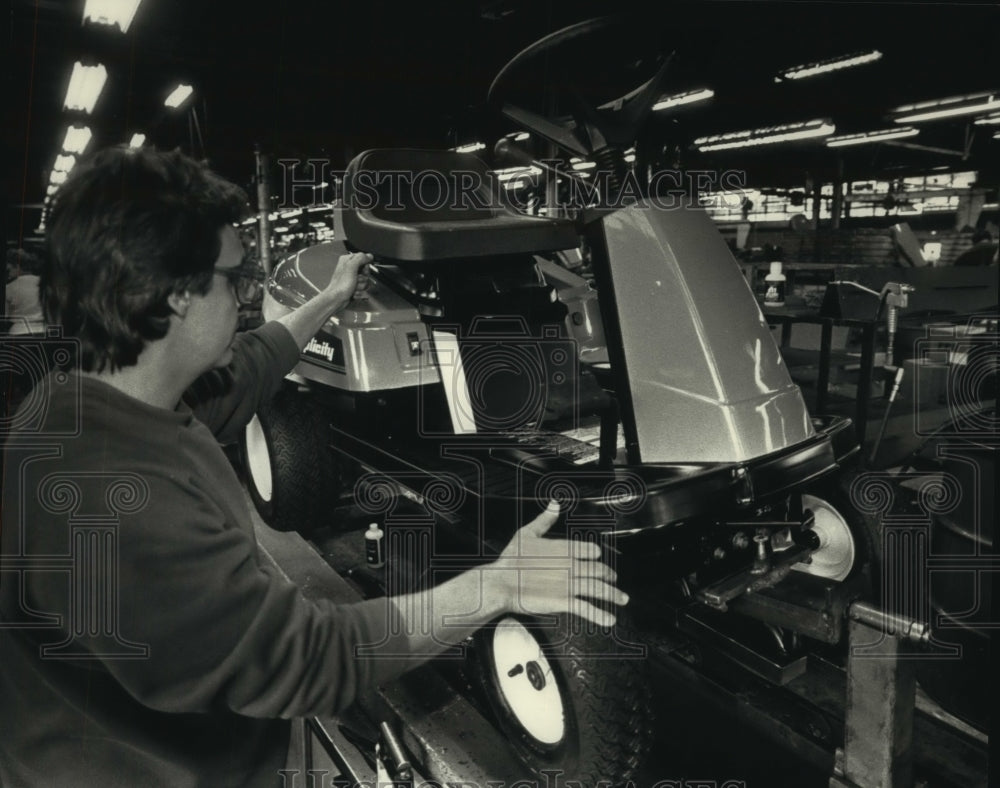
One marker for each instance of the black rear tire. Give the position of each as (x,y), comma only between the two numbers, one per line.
(603,731)
(288,464)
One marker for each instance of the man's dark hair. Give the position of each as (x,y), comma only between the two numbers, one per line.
(128,228)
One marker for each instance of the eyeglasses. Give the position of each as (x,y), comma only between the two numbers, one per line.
(246,280)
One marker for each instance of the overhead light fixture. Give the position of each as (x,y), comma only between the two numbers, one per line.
(988,120)
(77,139)
(57,177)
(947,107)
(179,95)
(471,147)
(766,136)
(137,141)
(996,135)
(580,164)
(825,66)
(64,163)
(51,189)
(689,97)
(871,136)
(111,12)
(85,86)
(507,173)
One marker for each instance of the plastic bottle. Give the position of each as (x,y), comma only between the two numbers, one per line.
(375,546)
(774,287)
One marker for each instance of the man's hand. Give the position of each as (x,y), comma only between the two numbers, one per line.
(349,280)
(532,576)
(536,575)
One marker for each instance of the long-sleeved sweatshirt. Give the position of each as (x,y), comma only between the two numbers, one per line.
(143,641)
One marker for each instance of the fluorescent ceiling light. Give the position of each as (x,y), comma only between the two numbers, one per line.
(57,177)
(871,136)
(471,147)
(51,189)
(766,136)
(683,98)
(583,165)
(137,141)
(77,139)
(85,86)
(947,108)
(111,12)
(179,96)
(64,163)
(989,120)
(996,135)
(824,66)
(512,172)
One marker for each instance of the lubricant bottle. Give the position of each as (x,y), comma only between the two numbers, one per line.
(774,287)
(375,546)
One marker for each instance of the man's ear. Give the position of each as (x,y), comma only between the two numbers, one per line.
(179,303)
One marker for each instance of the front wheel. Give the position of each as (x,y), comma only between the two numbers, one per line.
(849,543)
(573,702)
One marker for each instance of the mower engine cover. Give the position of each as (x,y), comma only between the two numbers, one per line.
(376,342)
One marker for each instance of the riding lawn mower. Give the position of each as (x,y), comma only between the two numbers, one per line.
(615,360)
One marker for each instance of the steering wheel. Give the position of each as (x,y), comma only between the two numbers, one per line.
(601,72)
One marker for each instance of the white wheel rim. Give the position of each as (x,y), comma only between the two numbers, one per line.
(518,661)
(259,460)
(835,556)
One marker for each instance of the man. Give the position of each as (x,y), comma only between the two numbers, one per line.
(143,641)
(21,297)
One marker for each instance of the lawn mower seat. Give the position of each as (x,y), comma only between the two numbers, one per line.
(418,205)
